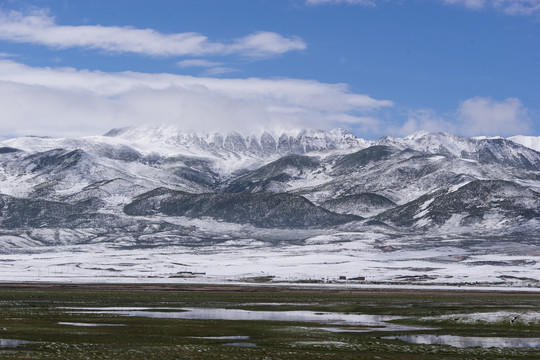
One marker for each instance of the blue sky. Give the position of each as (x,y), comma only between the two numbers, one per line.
(375,67)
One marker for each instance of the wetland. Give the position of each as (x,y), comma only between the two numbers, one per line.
(220,322)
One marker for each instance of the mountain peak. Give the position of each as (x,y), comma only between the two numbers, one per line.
(266,142)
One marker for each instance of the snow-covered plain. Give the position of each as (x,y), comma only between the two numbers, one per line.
(320,260)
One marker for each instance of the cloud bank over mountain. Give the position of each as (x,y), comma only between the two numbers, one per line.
(72,102)
(69,102)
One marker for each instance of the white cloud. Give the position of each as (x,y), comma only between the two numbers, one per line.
(424,120)
(511,7)
(40,28)
(360,2)
(212,67)
(521,7)
(470,4)
(71,102)
(218,70)
(365,125)
(473,117)
(265,43)
(198,63)
(485,116)
(7,55)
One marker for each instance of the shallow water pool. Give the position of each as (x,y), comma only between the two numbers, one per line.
(467,341)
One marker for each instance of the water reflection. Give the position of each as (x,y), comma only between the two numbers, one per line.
(11,343)
(465,342)
(251,315)
(87,324)
(221,337)
(386,327)
(241,344)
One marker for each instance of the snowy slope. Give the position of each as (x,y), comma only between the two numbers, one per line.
(266,143)
(532,142)
(305,179)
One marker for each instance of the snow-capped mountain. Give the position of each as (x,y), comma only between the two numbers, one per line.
(143,183)
(225,153)
(532,142)
(266,143)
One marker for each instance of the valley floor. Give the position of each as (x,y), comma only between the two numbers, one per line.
(113,321)
(349,259)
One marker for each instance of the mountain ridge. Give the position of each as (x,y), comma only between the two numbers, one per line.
(314,180)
